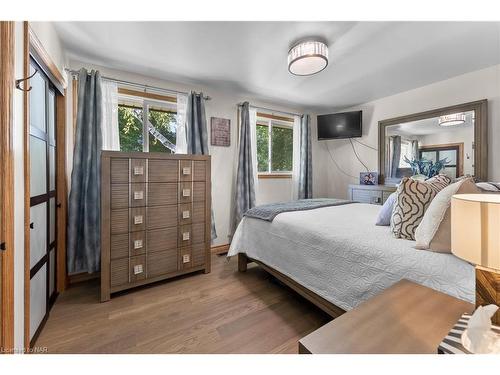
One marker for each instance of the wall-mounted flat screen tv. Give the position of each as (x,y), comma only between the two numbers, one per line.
(340,125)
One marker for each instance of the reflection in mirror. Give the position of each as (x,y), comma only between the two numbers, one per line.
(442,144)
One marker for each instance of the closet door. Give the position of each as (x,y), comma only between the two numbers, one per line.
(42,199)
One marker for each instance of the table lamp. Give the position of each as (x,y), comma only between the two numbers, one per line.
(475,237)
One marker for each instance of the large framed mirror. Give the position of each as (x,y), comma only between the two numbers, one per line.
(451,140)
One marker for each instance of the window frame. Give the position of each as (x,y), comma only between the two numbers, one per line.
(280,122)
(147,101)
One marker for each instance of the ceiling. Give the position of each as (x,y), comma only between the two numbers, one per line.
(368,60)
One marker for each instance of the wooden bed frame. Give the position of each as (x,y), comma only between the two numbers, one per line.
(328,307)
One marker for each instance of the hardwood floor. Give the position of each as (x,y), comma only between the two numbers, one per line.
(221,312)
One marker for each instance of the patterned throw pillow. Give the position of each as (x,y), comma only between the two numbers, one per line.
(413,198)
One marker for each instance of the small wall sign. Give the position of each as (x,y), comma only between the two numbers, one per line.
(220,131)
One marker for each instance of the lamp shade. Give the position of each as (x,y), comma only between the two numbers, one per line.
(475,229)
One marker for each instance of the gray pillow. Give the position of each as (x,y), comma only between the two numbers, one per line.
(384,216)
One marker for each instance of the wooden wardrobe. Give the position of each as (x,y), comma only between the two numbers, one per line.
(155,218)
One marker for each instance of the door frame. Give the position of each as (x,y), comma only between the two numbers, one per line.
(33,47)
(7,186)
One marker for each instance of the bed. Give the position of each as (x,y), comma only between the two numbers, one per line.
(337,257)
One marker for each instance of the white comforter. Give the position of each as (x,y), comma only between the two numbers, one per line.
(340,254)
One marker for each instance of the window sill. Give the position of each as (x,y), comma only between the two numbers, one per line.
(275,175)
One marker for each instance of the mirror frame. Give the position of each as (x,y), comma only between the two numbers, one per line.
(480,108)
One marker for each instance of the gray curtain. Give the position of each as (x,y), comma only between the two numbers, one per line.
(244,189)
(84,211)
(196,133)
(396,155)
(305,170)
(414,149)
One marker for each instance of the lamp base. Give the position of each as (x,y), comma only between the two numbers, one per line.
(488,290)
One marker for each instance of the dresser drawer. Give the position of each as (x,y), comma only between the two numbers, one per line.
(198,212)
(160,194)
(163,170)
(198,191)
(198,254)
(137,219)
(198,233)
(199,170)
(119,246)
(137,268)
(119,171)
(119,196)
(162,239)
(185,258)
(162,263)
(185,235)
(367,196)
(137,170)
(162,217)
(185,192)
(119,221)
(137,243)
(186,170)
(119,272)
(185,213)
(137,195)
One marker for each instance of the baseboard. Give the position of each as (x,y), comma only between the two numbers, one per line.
(82,276)
(221,249)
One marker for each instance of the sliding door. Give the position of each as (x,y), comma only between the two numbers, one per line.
(42,143)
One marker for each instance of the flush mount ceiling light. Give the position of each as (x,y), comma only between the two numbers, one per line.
(306,58)
(452,120)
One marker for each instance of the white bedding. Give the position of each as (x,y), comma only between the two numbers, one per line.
(340,254)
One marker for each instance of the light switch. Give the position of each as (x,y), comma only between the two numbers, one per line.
(138,195)
(185,236)
(138,171)
(137,244)
(186,258)
(185,214)
(138,269)
(186,170)
(138,219)
(186,192)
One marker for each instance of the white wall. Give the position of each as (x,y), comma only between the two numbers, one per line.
(47,35)
(481,84)
(222,104)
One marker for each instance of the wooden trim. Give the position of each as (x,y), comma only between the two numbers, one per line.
(7,186)
(445,146)
(480,108)
(274,117)
(220,249)
(328,307)
(274,175)
(40,50)
(148,95)
(61,192)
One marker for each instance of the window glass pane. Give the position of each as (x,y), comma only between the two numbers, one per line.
(52,223)
(38,234)
(429,155)
(262,148)
(37,101)
(450,172)
(451,155)
(162,130)
(130,125)
(52,168)
(282,149)
(38,165)
(52,120)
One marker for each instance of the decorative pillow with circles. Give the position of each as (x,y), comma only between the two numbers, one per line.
(413,198)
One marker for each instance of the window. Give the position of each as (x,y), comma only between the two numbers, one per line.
(274,146)
(452,153)
(161,131)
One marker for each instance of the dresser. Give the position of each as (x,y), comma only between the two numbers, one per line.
(155,218)
(372,194)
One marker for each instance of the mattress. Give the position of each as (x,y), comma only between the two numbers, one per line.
(340,254)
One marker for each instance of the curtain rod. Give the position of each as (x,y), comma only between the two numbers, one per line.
(272,110)
(75,73)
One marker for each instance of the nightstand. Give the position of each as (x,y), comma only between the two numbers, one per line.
(405,318)
(373,194)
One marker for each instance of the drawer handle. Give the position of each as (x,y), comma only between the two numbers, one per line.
(138,244)
(138,171)
(138,269)
(185,214)
(186,171)
(186,192)
(138,195)
(186,258)
(185,236)
(138,219)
